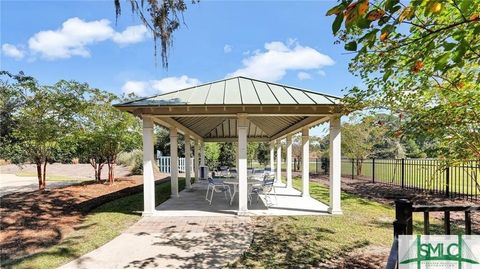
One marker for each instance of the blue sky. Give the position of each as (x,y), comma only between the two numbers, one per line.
(284,41)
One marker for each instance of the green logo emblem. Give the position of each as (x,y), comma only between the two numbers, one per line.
(438,251)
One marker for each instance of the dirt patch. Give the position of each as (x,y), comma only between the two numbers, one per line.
(371,257)
(35,220)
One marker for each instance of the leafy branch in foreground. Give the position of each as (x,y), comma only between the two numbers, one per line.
(420,60)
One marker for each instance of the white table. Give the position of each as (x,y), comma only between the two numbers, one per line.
(235,183)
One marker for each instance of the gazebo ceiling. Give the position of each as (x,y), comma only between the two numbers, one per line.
(210,110)
(225,128)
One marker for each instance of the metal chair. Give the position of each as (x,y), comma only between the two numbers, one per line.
(217,187)
(267,187)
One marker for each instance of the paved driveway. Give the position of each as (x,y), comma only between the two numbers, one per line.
(11,183)
(173,242)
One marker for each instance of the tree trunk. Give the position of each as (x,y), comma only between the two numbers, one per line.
(39,175)
(359,167)
(44,175)
(110,172)
(99,172)
(97,166)
(93,163)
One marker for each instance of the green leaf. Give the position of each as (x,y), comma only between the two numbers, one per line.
(383,20)
(442,61)
(335,10)
(458,54)
(390,4)
(390,63)
(337,23)
(351,46)
(363,23)
(448,46)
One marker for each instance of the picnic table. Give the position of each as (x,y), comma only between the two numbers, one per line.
(234,182)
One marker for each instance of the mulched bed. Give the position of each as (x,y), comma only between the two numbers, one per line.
(36,220)
(375,257)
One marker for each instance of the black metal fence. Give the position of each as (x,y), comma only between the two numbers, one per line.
(460,180)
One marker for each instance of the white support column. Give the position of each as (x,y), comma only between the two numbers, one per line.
(242,130)
(174,161)
(279,162)
(289,161)
(305,163)
(188,162)
(196,152)
(236,159)
(202,153)
(272,157)
(335,165)
(148,159)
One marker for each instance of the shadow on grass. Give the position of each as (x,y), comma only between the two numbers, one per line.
(65,204)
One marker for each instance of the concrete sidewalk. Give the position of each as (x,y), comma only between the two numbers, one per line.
(12,183)
(173,242)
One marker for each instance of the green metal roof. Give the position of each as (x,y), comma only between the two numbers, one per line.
(237,91)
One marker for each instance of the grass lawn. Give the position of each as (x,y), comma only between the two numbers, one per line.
(100,226)
(51,177)
(306,241)
(425,174)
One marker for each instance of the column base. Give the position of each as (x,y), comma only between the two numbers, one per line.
(335,211)
(174,196)
(147,214)
(243,213)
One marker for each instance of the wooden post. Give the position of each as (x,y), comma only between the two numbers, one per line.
(446,222)
(403,217)
(468,223)
(426,223)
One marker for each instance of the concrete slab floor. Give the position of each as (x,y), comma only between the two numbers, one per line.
(288,202)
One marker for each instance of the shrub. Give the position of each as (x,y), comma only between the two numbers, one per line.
(133,160)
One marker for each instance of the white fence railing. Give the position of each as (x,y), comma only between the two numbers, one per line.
(164,164)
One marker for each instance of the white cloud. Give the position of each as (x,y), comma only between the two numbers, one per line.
(13,51)
(131,35)
(169,84)
(71,39)
(164,85)
(227,48)
(135,86)
(278,58)
(321,73)
(75,35)
(303,75)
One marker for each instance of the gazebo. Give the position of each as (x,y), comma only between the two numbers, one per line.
(238,109)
